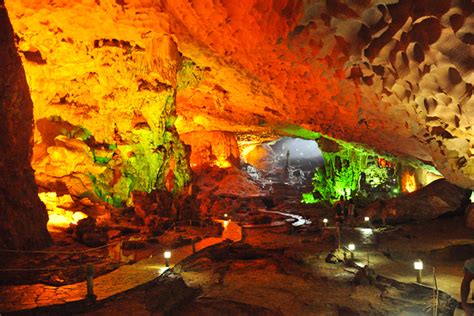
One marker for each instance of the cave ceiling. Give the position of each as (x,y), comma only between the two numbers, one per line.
(395,75)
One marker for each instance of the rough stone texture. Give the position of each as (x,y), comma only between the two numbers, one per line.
(104,103)
(470,216)
(169,295)
(216,306)
(437,198)
(394,74)
(212,148)
(22,215)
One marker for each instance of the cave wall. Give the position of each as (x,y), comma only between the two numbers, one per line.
(393,74)
(104,103)
(23,216)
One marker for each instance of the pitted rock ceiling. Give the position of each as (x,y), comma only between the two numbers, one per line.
(394,74)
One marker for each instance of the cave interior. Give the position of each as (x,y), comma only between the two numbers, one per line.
(253,157)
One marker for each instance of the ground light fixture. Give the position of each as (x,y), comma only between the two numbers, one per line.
(418,265)
(325,221)
(167,255)
(226,215)
(366,219)
(351,248)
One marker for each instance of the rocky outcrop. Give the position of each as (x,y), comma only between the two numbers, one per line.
(437,198)
(23,217)
(89,234)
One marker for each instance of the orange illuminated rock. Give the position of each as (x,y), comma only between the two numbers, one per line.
(395,75)
(408,182)
(214,148)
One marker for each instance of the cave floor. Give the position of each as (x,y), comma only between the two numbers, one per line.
(26,297)
(297,280)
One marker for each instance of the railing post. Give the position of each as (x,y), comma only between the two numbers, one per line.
(90,286)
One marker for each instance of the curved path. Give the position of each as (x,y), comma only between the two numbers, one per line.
(299,220)
(21,297)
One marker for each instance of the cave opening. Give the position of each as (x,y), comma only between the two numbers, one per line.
(284,161)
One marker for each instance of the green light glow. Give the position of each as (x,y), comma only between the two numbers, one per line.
(298,131)
(351,170)
(145,161)
(308,198)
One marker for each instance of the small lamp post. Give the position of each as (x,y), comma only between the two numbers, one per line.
(418,265)
(351,248)
(226,215)
(367,219)
(167,255)
(325,222)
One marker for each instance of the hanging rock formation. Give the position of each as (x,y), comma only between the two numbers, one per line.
(393,74)
(22,215)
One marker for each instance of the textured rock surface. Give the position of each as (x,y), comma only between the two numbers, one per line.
(213,148)
(432,201)
(104,103)
(470,216)
(394,74)
(23,217)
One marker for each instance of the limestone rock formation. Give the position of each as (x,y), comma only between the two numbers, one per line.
(437,198)
(393,74)
(22,215)
(212,148)
(104,103)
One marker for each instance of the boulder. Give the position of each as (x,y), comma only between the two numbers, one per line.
(168,292)
(87,233)
(365,276)
(338,255)
(438,198)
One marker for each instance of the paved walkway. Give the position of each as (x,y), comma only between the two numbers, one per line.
(20,297)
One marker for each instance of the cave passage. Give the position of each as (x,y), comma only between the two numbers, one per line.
(286,160)
(255,157)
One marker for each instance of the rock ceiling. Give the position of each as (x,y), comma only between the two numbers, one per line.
(394,74)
